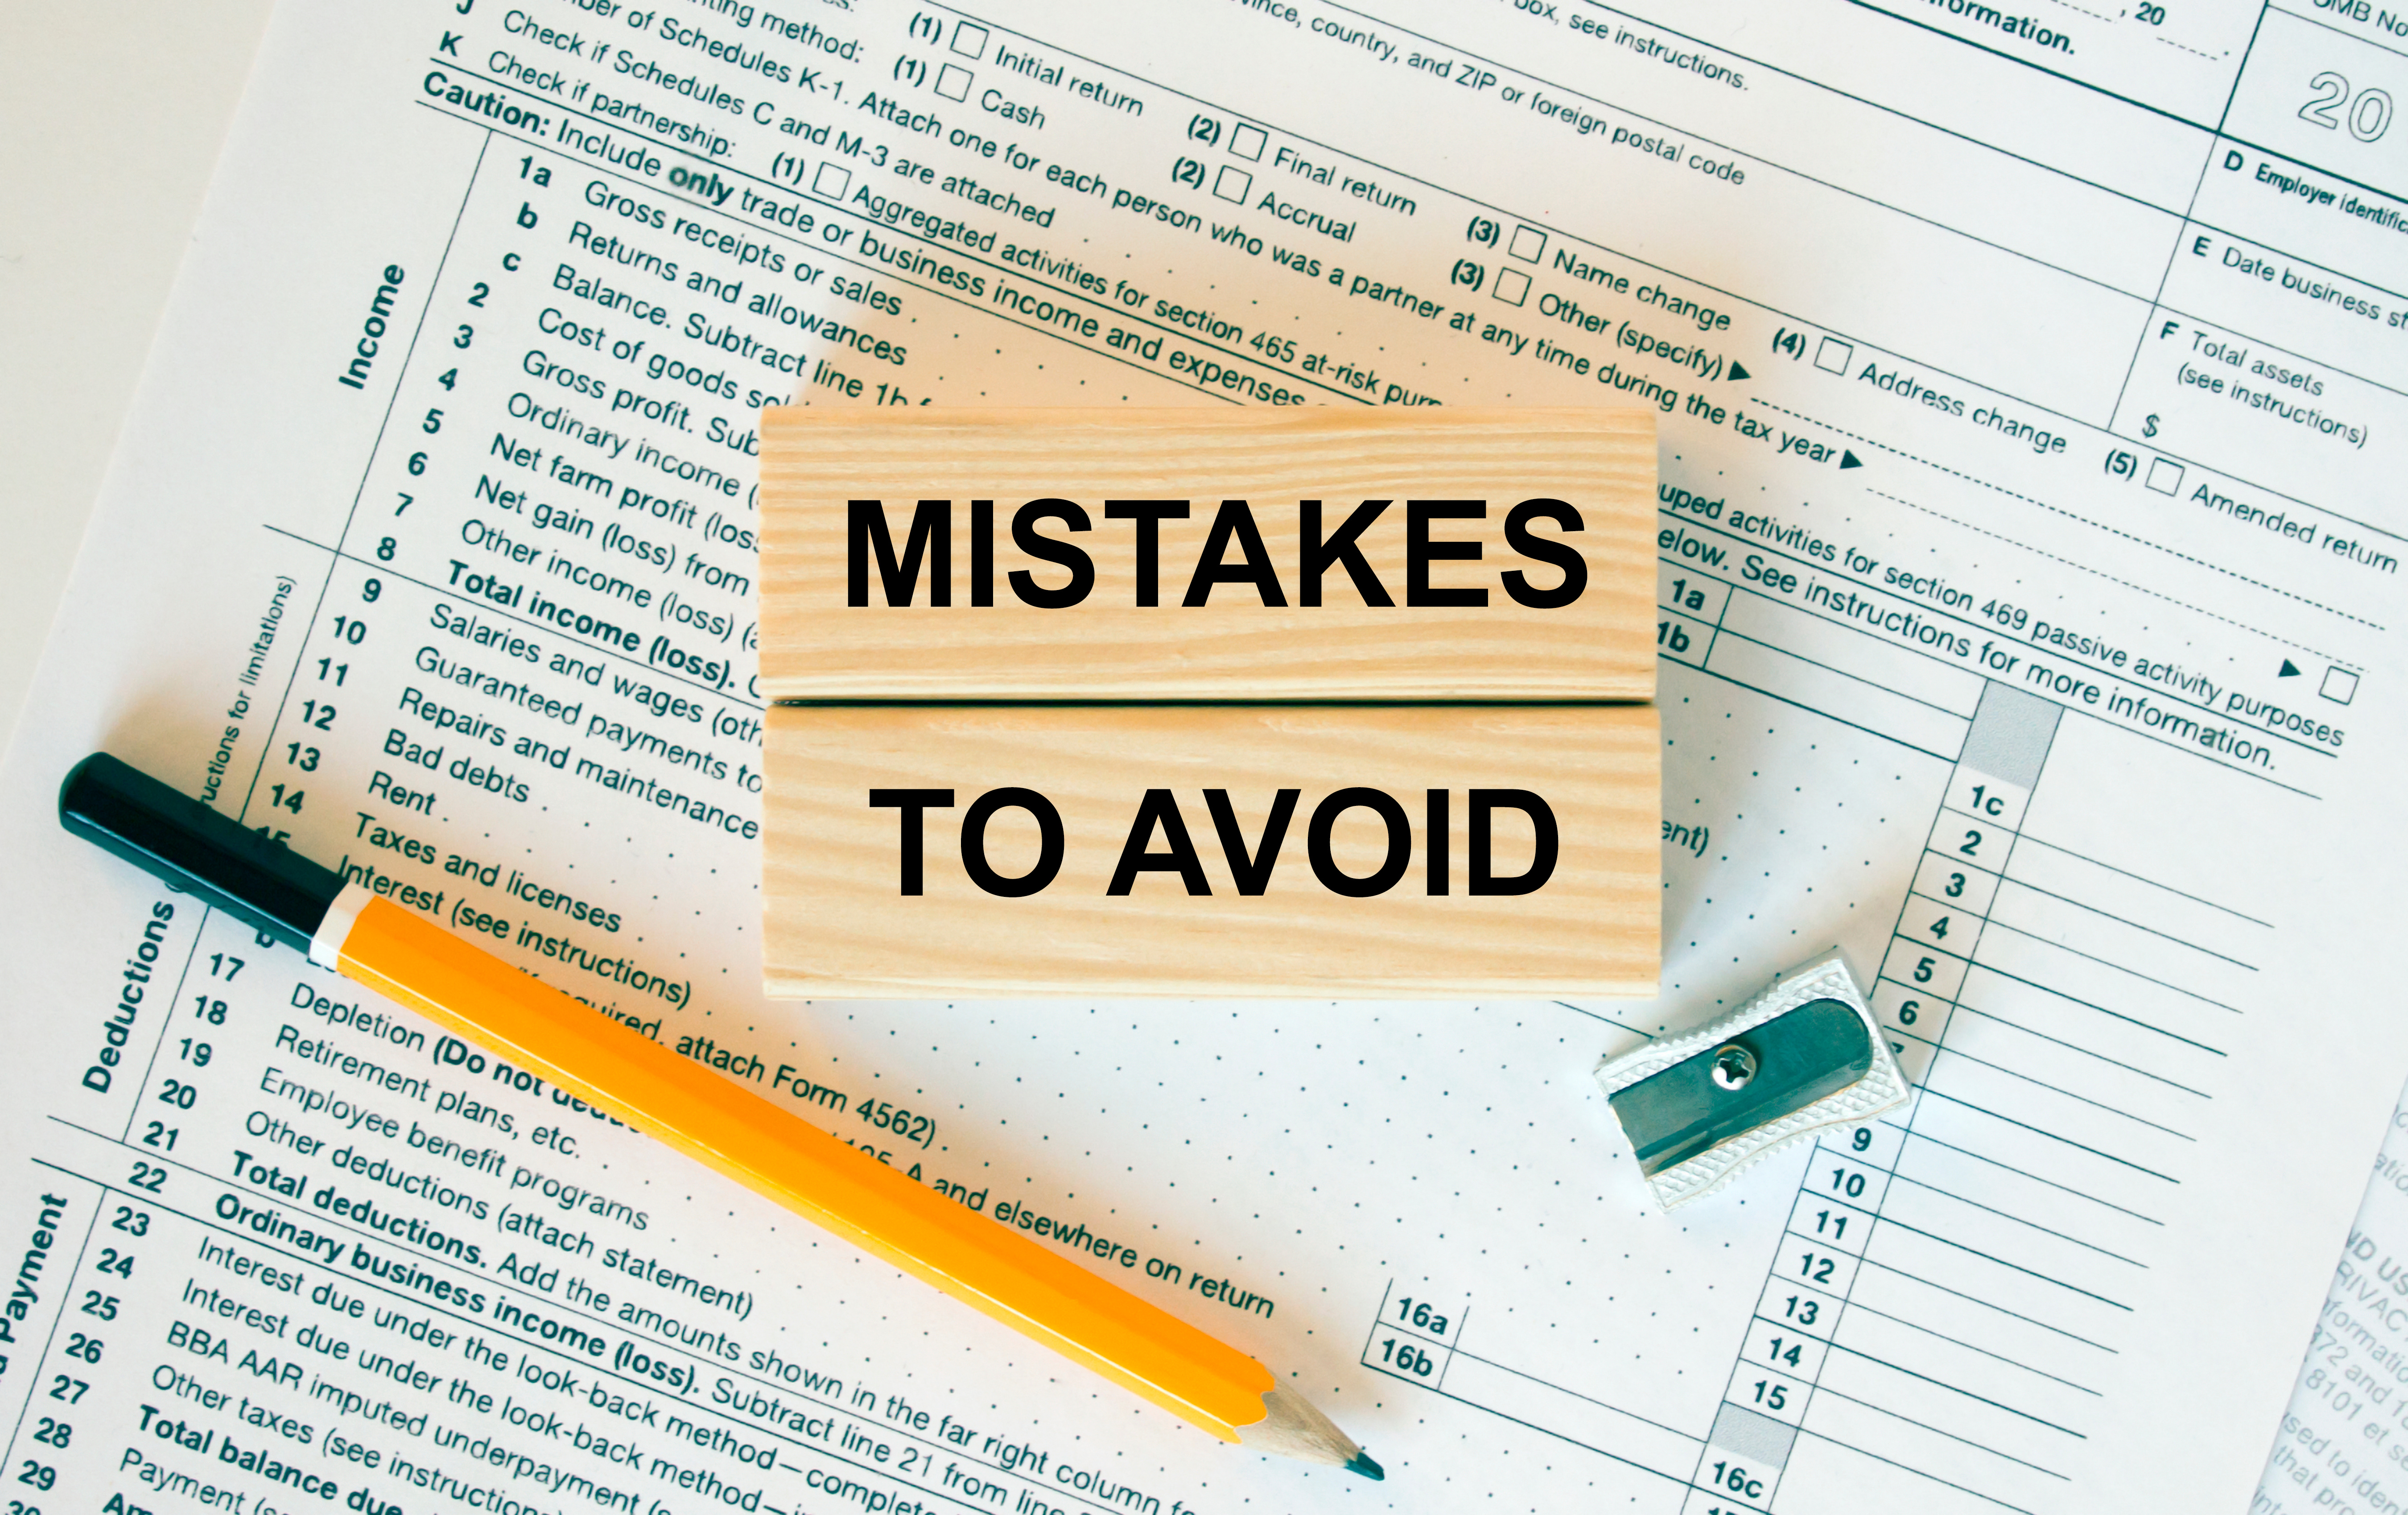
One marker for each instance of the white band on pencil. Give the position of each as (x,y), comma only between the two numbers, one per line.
(326,943)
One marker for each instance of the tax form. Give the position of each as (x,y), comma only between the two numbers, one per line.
(2336,1450)
(2030,387)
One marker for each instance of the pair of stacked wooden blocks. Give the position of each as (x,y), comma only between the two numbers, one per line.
(1309,702)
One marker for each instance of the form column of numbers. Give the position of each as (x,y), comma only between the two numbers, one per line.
(1414,1337)
(1689,609)
(1789,1334)
(346,714)
(1839,1202)
(1945,913)
(90,1356)
(118,1325)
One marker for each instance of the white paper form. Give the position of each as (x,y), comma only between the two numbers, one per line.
(2028,586)
(2338,1448)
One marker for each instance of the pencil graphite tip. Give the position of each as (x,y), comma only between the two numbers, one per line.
(1293,1426)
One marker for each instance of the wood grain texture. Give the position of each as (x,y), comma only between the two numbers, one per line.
(838,925)
(1599,646)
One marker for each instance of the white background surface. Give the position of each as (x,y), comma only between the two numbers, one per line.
(110,126)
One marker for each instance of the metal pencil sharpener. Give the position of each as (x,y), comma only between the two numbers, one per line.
(1805,1054)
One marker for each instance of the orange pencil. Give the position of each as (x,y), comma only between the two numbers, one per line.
(484,999)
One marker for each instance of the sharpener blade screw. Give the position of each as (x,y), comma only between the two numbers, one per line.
(1734,1067)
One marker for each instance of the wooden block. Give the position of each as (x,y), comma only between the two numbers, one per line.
(1519,601)
(853,911)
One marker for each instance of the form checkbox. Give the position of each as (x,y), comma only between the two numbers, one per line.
(1512,286)
(970,41)
(1834,354)
(2341,685)
(1528,242)
(954,83)
(2165,476)
(832,180)
(1248,142)
(1231,183)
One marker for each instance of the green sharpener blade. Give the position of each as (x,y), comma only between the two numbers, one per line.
(1700,1105)
(1758,1076)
